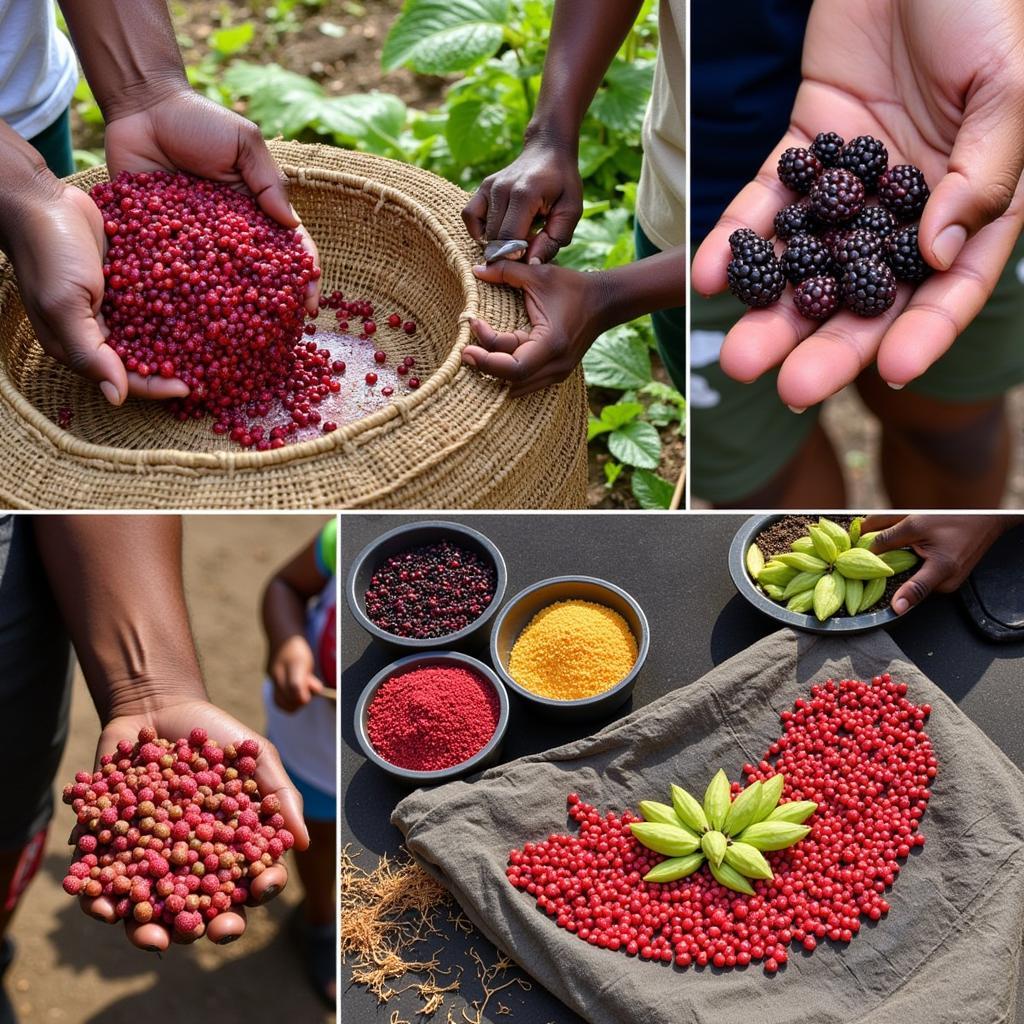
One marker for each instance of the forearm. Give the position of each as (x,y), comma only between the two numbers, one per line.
(639,288)
(585,35)
(118,584)
(26,182)
(128,51)
(284,614)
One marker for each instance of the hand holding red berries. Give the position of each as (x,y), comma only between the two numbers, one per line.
(941,84)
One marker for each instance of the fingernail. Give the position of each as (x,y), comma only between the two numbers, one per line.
(900,605)
(947,246)
(294,212)
(110,392)
(269,893)
(152,949)
(895,387)
(534,261)
(793,408)
(228,939)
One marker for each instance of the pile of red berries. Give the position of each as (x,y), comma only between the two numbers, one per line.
(173,832)
(858,749)
(840,250)
(430,591)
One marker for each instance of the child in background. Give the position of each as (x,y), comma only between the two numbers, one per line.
(299,615)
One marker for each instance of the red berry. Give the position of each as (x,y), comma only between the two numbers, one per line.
(371,379)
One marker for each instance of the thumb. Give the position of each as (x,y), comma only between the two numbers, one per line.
(263,177)
(514,273)
(927,579)
(981,179)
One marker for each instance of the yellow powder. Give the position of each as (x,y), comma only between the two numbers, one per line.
(571,650)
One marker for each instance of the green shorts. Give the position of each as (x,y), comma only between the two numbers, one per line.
(730,422)
(669,324)
(54,143)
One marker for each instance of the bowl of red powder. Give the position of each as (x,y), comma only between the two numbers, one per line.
(433,717)
(571,647)
(426,585)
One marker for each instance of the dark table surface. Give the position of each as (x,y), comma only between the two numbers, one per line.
(676,567)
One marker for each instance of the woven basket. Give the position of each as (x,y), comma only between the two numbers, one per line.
(387,232)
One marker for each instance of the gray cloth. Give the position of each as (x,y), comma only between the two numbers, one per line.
(947,953)
(35,684)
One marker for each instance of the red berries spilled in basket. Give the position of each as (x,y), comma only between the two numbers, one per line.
(852,250)
(173,832)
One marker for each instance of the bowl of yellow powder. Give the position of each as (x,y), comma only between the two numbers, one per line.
(571,646)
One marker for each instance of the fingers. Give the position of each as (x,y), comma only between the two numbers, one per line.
(153,938)
(558,229)
(901,532)
(514,273)
(272,778)
(262,176)
(313,288)
(983,173)
(513,357)
(227,927)
(497,205)
(267,885)
(872,524)
(100,907)
(474,214)
(761,339)
(77,341)
(157,389)
(928,578)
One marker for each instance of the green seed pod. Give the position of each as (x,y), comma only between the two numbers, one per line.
(867,539)
(660,814)
(743,810)
(855,530)
(801,562)
(777,573)
(748,861)
(829,593)
(801,582)
(774,592)
(754,560)
(860,564)
(900,560)
(873,591)
(801,603)
(666,839)
(854,595)
(773,835)
(840,536)
(717,798)
(804,545)
(674,868)
(730,878)
(688,810)
(824,545)
(796,811)
(770,793)
(713,844)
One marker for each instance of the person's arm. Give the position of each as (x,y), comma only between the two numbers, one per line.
(568,310)
(544,181)
(950,547)
(290,661)
(117,581)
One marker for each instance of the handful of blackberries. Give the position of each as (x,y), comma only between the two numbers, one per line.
(840,250)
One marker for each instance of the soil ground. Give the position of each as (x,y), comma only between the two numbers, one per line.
(73,969)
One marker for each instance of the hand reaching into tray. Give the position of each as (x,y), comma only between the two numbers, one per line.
(941,83)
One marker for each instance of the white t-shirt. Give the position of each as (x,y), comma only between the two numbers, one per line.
(38,70)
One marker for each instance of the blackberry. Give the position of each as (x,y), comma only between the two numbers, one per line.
(877,219)
(805,256)
(904,253)
(856,245)
(817,298)
(795,219)
(903,191)
(755,277)
(831,238)
(866,157)
(742,240)
(869,287)
(837,196)
(827,147)
(798,168)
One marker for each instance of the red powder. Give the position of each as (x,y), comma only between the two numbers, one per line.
(432,718)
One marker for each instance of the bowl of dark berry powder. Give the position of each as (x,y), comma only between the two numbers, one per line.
(427,584)
(432,717)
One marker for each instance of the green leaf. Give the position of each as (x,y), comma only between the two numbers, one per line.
(362,115)
(661,414)
(622,102)
(612,472)
(637,444)
(596,427)
(474,128)
(651,491)
(618,359)
(592,154)
(439,37)
(620,414)
(228,41)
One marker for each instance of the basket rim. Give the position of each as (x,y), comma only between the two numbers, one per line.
(405,407)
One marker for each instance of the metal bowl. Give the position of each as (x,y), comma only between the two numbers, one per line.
(411,535)
(483,758)
(516,615)
(848,624)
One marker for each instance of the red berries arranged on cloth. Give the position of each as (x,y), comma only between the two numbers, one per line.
(432,718)
(854,251)
(857,749)
(430,591)
(173,832)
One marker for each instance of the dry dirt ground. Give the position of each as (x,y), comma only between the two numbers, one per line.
(73,969)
